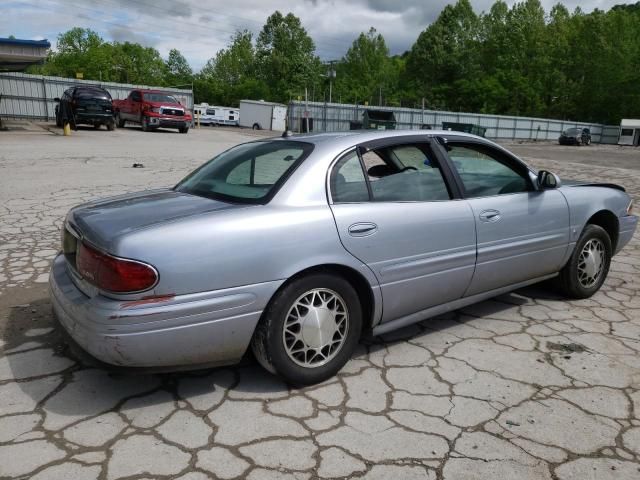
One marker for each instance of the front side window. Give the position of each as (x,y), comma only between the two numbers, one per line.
(248,173)
(485,175)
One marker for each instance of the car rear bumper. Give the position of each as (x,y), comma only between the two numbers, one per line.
(210,328)
(628,225)
(92,118)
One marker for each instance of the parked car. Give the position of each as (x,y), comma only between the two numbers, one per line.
(85,105)
(575,136)
(152,109)
(296,246)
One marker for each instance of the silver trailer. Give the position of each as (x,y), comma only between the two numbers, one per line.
(261,115)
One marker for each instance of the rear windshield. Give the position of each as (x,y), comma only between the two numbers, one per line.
(248,173)
(160,97)
(573,131)
(92,93)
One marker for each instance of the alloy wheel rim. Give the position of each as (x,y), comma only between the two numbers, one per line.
(315,328)
(590,263)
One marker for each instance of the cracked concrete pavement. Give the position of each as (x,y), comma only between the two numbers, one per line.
(527,385)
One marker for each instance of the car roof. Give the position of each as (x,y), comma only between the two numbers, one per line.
(354,137)
(142,90)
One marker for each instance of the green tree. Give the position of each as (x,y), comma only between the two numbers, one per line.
(285,56)
(444,54)
(231,75)
(178,70)
(364,70)
(133,63)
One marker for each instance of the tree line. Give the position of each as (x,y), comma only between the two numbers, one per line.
(518,60)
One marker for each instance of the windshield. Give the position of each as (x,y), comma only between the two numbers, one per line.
(249,173)
(573,131)
(160,97)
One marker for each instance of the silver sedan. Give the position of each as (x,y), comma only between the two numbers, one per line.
(297,246)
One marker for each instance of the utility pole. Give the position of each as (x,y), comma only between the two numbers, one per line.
(331,74)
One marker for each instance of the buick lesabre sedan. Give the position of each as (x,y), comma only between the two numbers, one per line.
(297,246)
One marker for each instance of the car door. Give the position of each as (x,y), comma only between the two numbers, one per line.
(396,212)
(135,103)
(522,232)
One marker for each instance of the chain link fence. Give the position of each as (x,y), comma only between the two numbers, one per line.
(337,117)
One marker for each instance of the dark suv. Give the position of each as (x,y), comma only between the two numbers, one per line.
(575,136)
(85,105)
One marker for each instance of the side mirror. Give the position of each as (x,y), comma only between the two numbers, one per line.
(547,180)
(57,99)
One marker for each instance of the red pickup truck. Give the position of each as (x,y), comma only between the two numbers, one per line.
(152,109)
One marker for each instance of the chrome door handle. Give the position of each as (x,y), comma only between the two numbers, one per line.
(489,216)
(362,229)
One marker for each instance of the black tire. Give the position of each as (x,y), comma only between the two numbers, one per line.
(183,129)
(111,126)
(119,120)
(96,126)
(256,126)
(569,280)
(268,343)
(144,124)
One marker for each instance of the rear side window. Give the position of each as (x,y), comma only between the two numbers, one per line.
(347,180)
(248,173)
(403,173)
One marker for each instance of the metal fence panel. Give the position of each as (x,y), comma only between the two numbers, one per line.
(32,96)
(336,117)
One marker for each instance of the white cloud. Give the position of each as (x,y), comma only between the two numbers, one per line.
(199,29)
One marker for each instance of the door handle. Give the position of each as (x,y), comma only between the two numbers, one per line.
(362,229)
(489,216)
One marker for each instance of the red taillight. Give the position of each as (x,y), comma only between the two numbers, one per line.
(114,274)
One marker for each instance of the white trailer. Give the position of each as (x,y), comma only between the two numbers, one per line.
(629,132)
(216,115)
(261,115)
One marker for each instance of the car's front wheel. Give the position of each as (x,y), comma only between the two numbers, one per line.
(587,269)
(310,329)
(119,121)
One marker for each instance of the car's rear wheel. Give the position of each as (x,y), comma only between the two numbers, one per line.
(310,329)
(96,126)
(587,269)
(183,129)
(111,126)
(144,122)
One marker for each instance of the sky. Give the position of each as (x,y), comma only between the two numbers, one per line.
(199,28)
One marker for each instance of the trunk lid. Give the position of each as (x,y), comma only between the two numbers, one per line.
(101,222)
